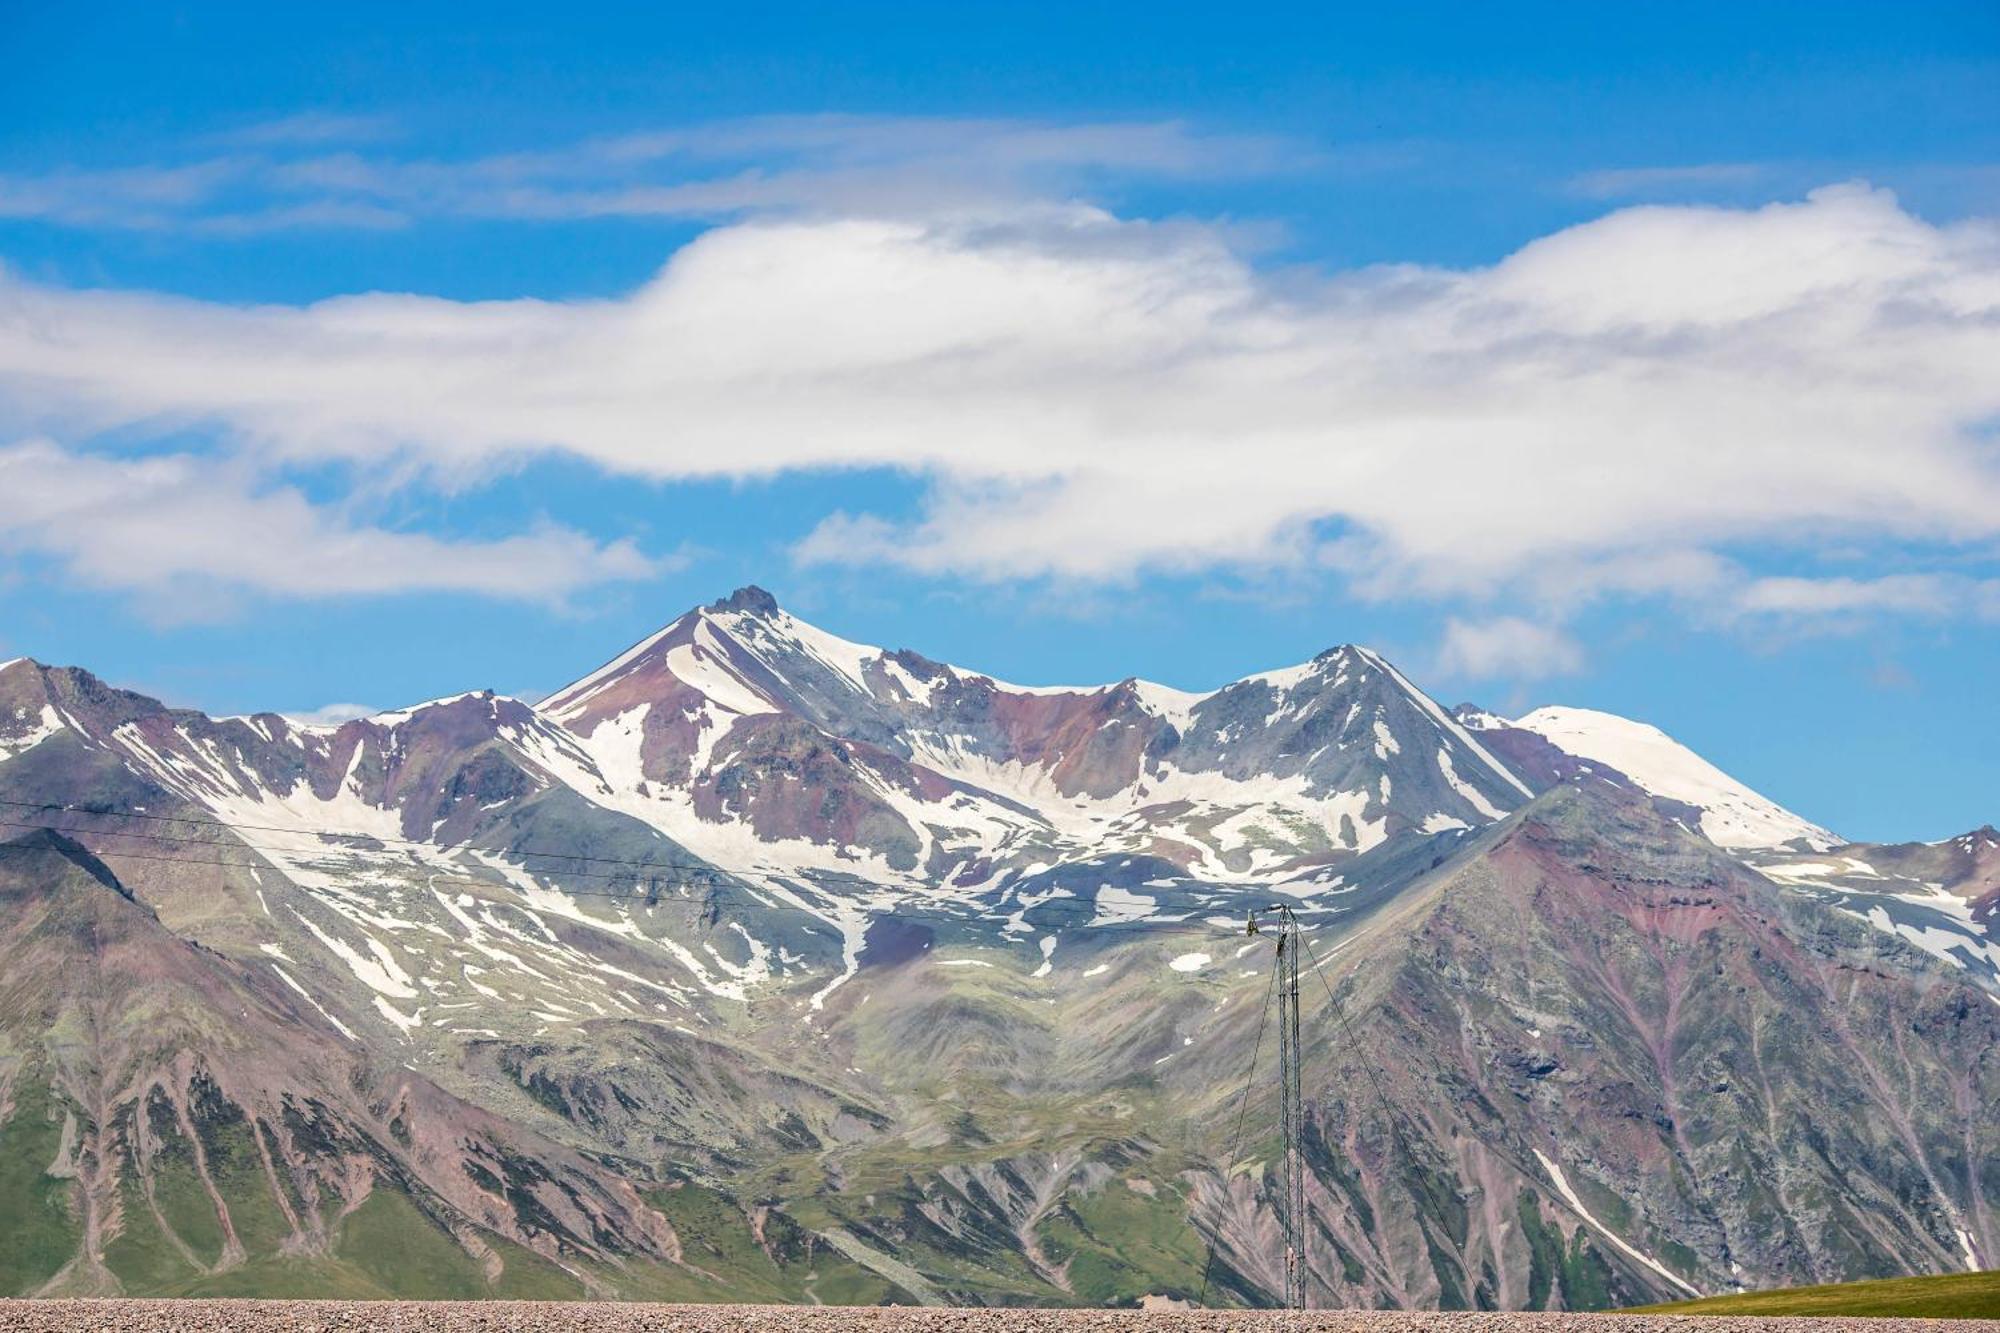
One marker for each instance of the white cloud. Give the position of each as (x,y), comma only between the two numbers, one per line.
(303,171)
(163,527)
(1627,182)
(1506,646)
(140,198)
(1922,596)
(1606,411)
(329,715)
(311,127)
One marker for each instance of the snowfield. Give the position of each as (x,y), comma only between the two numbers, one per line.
(1732,814)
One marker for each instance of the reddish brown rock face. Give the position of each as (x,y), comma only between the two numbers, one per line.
(194,1074)
(788,780)
(1009,777)
(892,981)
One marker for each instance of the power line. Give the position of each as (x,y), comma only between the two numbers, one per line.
(1242,1112)
(1291,1107)
(1368,1067)
(721,883)
(433,878)
(307,832)
(726,886)
(1395,1126)
(731,886)
(642,866)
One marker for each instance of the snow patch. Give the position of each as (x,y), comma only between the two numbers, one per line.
(1570,1197)
(1116,906)
(381,974)
(407,1022)
(46,726)
(395,717)
(1048,957)
(1465,789)
(286,977)
(920,691)
(704,666)
(1170,705)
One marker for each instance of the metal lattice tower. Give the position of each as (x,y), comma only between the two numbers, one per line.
(1291,1112)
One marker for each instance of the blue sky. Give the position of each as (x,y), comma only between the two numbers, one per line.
(1641,364)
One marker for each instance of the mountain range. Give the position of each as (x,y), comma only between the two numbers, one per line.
(760,964)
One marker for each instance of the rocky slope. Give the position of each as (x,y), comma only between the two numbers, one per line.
(1729,1079)
(740,718)
(762,963)
(204,1114)
(1942,897)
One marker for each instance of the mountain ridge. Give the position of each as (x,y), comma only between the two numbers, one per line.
(859,974)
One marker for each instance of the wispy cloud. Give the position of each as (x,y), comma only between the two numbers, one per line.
(1633,407)
(177,530)
(1506,647)
(1639,182)
(130,197)
(1888,675)
(332,714)
(1847,602)
(309,128)
(1949,188)
(326,171)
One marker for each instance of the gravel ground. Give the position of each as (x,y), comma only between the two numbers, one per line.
(82,1316)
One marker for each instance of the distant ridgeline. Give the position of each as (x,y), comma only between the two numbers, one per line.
(759,965)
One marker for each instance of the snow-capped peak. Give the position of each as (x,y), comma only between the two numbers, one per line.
(776,638)
(744,651)
(394,717)
(1164,701)
(1732,814)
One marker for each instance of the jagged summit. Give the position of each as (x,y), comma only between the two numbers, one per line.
(749,600)
(754,893)
(948,771)
(702,730)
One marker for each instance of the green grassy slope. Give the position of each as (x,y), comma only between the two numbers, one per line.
(39,1231)
(1949,1296)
